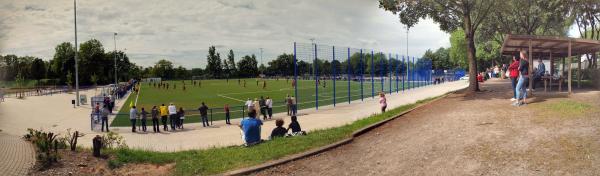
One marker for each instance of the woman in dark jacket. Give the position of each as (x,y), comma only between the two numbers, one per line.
(295,126)
(181,115)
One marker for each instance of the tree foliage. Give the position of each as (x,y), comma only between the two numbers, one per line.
(450,15)
(214,66)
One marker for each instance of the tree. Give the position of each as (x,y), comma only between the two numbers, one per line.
(248,66)
(587,18)
(213,67)
(164,69)
(450,15)
(458,48)
(282,65)
(69,80)
(38,69)
(63,61)
(91,60)
(231,60)
(94,79)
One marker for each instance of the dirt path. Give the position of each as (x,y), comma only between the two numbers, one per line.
(478,134)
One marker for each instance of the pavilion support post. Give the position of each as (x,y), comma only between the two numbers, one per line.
(551,70)
(530,52)
(578,72)
(569,71)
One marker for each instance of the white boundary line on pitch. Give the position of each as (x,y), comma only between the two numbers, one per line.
(138,95)
(220,95)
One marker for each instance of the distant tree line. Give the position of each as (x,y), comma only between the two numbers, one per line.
(95,65)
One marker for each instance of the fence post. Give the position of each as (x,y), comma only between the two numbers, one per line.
(362,97)
(404,72)
(372,78)
(211,115)
(413,70)
(334,76)
(315,72)
(382,70)
(397,65)
(389,72)
(295,74)
(348,66)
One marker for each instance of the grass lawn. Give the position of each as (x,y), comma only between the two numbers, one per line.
(217,93)
(219,160)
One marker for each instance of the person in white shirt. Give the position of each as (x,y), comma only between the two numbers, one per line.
(269,103)
(173,116)
(249,104)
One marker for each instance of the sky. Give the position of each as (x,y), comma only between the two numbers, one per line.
(182,30)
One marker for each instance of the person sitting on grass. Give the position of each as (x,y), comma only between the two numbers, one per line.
(295,127)
(251,129)
(279,131)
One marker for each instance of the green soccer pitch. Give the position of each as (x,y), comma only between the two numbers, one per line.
(216,93)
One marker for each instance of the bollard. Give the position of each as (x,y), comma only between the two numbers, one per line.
(97,145)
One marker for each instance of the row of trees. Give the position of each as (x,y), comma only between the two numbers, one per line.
(95,65)
(283,65)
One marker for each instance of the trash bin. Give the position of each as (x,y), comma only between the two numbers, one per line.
(97,145)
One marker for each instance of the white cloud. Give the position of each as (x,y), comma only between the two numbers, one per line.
(182,31)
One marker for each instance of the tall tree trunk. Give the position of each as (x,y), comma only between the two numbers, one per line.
(469,35)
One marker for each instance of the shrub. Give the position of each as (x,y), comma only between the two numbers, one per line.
(46,144)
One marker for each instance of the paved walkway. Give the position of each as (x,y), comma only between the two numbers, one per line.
(36,112)
(16,155)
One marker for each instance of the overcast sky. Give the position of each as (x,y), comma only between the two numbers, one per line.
(182,31)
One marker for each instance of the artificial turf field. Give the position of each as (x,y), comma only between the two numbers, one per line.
(216,93)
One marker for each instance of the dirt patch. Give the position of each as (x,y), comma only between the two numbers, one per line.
(83,163)
(473,134)
(145,170)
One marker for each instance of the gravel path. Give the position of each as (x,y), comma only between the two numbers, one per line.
(477,134)
(16,155)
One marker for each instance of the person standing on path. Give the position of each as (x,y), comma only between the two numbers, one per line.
(269,103)
(288,104)
(155,124)
(104,118)
(163,116)
(204,114)
(173,116)
(514,76)
(294,106)
(181,116)
(249,105)
(263,107)
(227,116)
(256,107)
(523,80)
(382,102)
(133,117)
(144,115)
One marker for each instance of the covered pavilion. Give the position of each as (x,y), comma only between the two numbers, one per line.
(551,47)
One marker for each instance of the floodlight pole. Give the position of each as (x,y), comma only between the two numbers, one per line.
(261,56)
(76,63)
(115,40)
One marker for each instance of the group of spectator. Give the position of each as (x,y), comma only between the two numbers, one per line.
(262,106)
(519,75)
(251,127)
(169,114)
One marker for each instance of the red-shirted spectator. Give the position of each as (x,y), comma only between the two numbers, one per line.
(514,76)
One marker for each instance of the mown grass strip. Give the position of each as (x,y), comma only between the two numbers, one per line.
(219,160)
